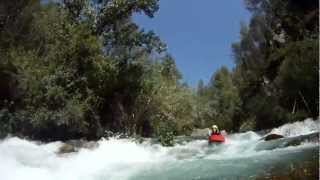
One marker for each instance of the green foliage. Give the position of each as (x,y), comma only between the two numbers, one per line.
(7,122)
(170,102)
(165,132)
(275,79)
(298,77)
(218,101)
(277,63)
(82,67)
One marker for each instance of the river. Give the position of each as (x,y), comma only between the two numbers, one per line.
(243,156)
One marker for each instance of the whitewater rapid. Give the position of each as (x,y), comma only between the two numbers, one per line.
(124,159)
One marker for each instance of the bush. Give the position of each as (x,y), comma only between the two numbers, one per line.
(166,138)
(166,131)
(6,122)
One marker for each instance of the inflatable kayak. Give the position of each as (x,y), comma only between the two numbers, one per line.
(216,138)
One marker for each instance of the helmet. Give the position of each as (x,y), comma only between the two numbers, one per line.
(214,127)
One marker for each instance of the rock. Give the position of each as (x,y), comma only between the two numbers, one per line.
(272,137)
(74,145)
(286,141)
(248,125)
(313,137)
(90,145)
(75,142)
(199,132)
(66,148)
(294,142)
(80,143)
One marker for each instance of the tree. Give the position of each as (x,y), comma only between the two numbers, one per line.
(270,91)
(224,99)
(74,63)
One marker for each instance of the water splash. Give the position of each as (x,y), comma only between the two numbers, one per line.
(125,159)
(298,128)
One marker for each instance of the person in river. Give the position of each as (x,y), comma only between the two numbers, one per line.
(215,135)
(214,130)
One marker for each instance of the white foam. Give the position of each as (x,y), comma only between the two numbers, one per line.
(298,128)
(120,159)
(113,159)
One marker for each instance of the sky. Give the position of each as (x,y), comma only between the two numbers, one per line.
(198,34)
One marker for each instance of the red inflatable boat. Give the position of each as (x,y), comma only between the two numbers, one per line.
(216,138)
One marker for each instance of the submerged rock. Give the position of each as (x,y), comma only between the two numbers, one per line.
(83,144)
(66,148)
(287,141)
(74,145)
(272,137)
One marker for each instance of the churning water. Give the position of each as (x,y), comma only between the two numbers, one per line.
(243,156)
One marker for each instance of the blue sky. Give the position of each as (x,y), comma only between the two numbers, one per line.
(198,33)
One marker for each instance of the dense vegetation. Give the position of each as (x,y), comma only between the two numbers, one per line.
(275,79)
(78,68)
